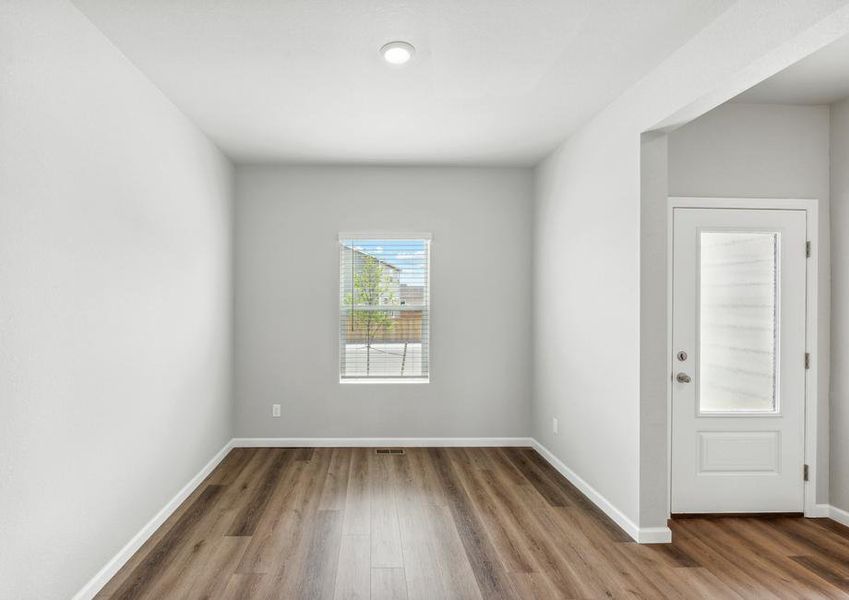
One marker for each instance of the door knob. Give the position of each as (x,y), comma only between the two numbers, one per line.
(682,378)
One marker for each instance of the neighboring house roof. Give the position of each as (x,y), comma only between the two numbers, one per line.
(381,261)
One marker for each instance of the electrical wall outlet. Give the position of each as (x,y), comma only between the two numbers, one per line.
(275,410)
(555,426)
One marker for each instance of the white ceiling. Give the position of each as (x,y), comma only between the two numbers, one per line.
(493,81)
(821,78)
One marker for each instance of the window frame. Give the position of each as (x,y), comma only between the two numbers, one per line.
(427,238)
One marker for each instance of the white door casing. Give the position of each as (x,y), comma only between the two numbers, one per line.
(739,315)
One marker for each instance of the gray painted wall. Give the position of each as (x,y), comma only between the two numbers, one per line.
(591,232)
(287,221)
(839,491)
(765,151)
(115,346)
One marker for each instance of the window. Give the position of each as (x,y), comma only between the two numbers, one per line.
(384,308)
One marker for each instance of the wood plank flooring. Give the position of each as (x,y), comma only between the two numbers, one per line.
(432,523)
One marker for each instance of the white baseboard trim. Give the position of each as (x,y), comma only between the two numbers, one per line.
(645,535)
(827,511)
(839,515)
(90,589)
(362,442)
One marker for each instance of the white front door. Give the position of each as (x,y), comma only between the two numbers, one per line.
(738,334)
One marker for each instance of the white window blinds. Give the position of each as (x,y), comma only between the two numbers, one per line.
(384,307)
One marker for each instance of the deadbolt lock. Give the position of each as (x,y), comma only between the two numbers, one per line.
(682,356)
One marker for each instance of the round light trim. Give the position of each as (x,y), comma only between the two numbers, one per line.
(397,53)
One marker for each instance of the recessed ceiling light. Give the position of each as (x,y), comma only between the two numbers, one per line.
(397,53)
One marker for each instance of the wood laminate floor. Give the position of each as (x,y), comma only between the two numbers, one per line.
(438,523)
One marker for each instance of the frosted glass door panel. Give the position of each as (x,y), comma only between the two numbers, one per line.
(738,322)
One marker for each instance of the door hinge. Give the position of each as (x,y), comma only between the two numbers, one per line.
(807,360)
(804,472)
(808,249)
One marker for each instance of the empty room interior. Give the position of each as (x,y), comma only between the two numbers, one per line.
(312,299)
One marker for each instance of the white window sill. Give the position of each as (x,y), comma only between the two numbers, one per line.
(405,380)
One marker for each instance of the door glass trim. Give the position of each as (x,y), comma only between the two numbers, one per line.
(775,411)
